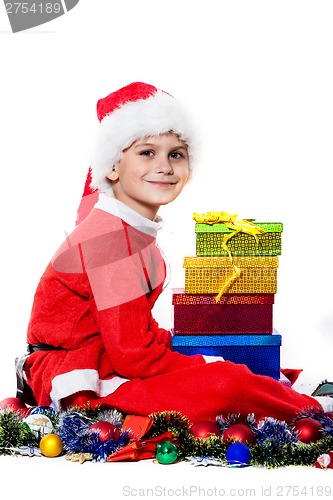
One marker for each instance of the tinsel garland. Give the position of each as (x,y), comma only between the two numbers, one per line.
(14,432)
(276,442)
(73,429)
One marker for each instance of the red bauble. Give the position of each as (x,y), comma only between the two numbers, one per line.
(240,433)
(105,430)
(308,430)
(14,404)
(204,429)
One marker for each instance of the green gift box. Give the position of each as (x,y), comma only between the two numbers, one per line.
(209,240)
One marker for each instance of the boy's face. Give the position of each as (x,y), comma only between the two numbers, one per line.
(152,172)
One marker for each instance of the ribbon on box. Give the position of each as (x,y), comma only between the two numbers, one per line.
(140,448)
(231,221)
(238,226)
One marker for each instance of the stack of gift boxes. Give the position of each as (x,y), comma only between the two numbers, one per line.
(236,324)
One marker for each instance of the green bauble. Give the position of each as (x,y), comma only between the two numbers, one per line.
(166,453)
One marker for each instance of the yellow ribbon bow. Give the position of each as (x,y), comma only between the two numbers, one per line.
(238,226)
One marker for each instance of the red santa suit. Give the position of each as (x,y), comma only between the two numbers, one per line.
(94,305)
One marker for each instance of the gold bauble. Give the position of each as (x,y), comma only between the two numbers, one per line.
(51,445)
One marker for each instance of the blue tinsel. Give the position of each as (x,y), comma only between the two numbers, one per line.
(74,432)
(276,431)
(224,422)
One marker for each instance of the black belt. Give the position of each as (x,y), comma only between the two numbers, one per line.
(23,391)
(43,347)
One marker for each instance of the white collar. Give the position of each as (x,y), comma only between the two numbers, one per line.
(115,207)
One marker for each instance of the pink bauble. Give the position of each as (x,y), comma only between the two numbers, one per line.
(105,431)
(308,430)
(240,433)
(204,429)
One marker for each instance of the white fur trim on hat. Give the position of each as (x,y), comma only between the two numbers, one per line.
(155,115)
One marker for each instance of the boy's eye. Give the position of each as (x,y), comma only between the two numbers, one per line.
(176,155)
(146,152)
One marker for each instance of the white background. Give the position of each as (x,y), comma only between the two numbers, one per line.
(257,77)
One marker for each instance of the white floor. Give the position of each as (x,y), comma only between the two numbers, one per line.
(59,478)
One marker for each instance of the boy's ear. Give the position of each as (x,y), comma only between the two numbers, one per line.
(113,175)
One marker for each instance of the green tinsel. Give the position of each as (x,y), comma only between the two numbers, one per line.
(188,445)
(87,411)
(209,447)
(178,424)
(270,452)
(14,432)
(271,456)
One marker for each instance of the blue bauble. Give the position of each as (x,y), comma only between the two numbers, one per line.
(238,454)
(43,410)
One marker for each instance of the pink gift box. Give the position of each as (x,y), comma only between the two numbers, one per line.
(232,314)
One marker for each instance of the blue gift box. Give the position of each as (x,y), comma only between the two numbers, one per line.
(260,353)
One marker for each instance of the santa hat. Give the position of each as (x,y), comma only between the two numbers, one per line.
(126,115)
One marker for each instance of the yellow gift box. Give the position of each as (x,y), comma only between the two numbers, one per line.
(257,274)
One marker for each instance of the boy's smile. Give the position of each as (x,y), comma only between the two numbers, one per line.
(152,172)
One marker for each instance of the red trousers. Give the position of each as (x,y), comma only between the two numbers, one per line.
(203,392)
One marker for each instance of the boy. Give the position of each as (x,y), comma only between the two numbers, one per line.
(91,336)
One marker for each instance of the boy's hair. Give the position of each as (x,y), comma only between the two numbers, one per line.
(131,113)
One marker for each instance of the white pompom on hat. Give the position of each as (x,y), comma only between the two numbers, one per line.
(131,113)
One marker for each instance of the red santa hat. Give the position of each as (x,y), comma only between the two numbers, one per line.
(126,115)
